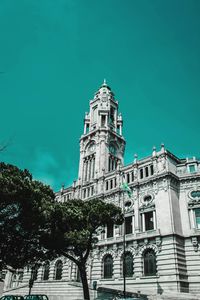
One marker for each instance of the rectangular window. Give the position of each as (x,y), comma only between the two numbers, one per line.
(151,169)
(110,228)
(132,176)
(106,185)
(95,114)
(84,193)
(88,192)
(128,225)
(128,177)
(192,168)
(141,173)
(103,121)
(197,217)
(146,171)
(87,128)
(111,184)
(148,218)
(92,190)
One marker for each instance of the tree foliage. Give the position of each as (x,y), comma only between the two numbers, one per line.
(74,229)
(25,207)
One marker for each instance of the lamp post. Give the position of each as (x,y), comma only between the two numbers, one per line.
(124,249)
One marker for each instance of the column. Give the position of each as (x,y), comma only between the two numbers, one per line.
(51,271)
(192,219)
(143,222)
(154,220)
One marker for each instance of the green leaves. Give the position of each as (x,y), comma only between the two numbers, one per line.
(25,206)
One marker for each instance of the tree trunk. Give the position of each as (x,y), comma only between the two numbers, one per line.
(83,274)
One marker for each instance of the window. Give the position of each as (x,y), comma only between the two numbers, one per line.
(148,216)
(34,273)
(192,168)
(106,185)
(111,184)
(94,114)
(128,178)
(108,266)
(197,217)
(112,115)
(87,128)
(132,176)
(46,271)
(141,173)
(128,225)
(149,263)
(146,171)
(110,228)
(103,121)
(128,264)
(58,270)
(151,169)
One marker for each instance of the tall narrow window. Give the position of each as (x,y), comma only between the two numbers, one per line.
(128,264)
(128,177)
(146,171)
(141,173)
(58,270)
(112,115)
(34,273)
(149,220)
(149,263)
(132,176)
(128,225)
(197,217)
(46,271)
(110,229)
(103,121)
(108,266)
(151,169)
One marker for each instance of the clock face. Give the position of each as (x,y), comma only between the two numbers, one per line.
(112,149)
(92,148)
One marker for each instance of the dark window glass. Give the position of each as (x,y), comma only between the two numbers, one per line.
(132,176)
(46,271)
(128,264)
(111,184)
(108,267)
(58,270)
(151,169)
(103,120)
(197,217)
(141,173)
(128,225)
(34,273)
(149,263)
(146,171)
(128,177)
(110,228)
(106,185)
(148,220)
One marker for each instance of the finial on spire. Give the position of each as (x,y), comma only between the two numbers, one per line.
(104,81)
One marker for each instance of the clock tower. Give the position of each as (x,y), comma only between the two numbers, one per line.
(102,144)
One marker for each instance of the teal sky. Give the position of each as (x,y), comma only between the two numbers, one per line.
(54,54)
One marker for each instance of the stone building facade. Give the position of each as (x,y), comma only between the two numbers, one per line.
(162,216)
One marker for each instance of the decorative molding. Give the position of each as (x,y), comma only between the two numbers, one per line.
(195,243)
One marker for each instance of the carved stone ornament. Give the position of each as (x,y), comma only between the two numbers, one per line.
(194,195)
(146,199)
(156,246)
(195,243)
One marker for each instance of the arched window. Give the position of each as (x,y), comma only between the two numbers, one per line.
(34,273)
(149,263)
(58,270)
(46,271)
(128,264)
(108,266)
